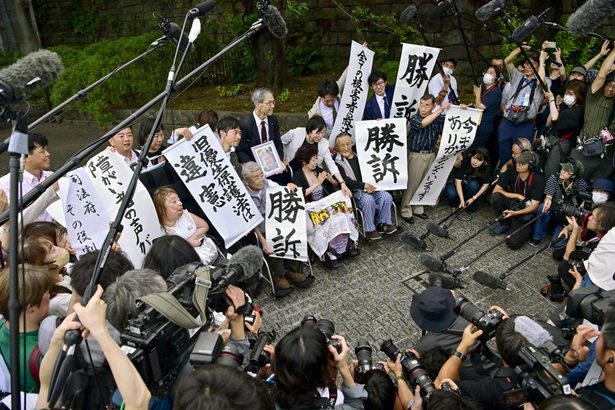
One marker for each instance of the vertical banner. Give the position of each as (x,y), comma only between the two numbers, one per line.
(457,135)
(415,67)
(354,98)
(327,218)
(211,179)
(111,175)
(87,222)
(286,231)
(381,149)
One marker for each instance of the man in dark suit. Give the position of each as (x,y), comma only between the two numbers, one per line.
(379,105)
(259,126)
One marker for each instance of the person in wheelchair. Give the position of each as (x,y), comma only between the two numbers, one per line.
(375,205)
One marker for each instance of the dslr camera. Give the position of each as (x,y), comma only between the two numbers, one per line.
(326,327)
(414,372)
(487,322)
(589,303)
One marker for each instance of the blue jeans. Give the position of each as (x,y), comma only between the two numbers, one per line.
(469,190)
(508,133)
(544,224)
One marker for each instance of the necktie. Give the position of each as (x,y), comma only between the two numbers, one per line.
(263,132)
(334,114)
(387,109)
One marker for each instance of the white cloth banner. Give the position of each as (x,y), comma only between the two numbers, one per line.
(327,218)
(354,98)
(111,175)
(415,67)
(208,174)
(87,221)
(457,135)
(286,233)
(382,153)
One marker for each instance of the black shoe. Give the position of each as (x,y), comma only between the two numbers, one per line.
(422,216)
(331,263)
(535,242)
(408,219)
(353,251)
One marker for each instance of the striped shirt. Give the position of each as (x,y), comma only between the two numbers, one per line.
(556,190)
(424,139)
(597,110)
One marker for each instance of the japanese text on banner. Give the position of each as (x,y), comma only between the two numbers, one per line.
(87,222)
(211,179)
(286,229)
(457,135)
(381,149)
(110,174)
(415,67)
(353,101)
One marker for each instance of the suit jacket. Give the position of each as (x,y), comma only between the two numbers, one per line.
(372,109)
(251,138)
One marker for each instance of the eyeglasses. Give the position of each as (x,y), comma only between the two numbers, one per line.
(272,102)
(380,83)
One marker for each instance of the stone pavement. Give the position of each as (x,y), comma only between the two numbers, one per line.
(369,296)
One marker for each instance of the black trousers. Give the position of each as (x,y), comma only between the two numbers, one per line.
(500,203)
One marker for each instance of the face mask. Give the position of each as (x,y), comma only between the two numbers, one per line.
(569,99)
(488,79)
(599,197)
(447,70)
(63,258)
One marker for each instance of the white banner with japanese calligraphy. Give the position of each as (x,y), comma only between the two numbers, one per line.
(87,221)
(415,67)
(327,218)
(457,135)
(286,231)
(382,153)
(354,97)
(111,175)
(211,179)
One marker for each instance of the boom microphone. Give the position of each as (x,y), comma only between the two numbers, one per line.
(437,230)
(201,9)
(414,241)
(407,14)
(493,8)
(28,74)
(486,279)
(275,22)
(248,260)
(432,263)
(444,281)
(528,27)
(440,9)
(590,15)
(173,33)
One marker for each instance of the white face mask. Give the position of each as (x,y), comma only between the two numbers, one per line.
(447,70)
(599,197)
(569,99)
(488,79)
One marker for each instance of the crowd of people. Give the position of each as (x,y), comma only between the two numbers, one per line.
(542,158)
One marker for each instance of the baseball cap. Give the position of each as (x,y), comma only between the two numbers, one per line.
(580,70)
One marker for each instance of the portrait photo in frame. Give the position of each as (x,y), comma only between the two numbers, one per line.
(267,158)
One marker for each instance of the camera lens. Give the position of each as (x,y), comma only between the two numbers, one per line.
(326,327)
(364,356)
(468,311)
(309,320)
(388,347)
(229,356)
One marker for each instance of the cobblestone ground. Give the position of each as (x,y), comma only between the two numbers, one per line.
(369,296)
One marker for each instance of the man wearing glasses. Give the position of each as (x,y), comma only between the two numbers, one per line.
(379,105)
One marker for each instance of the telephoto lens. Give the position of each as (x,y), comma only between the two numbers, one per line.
(230,356)
(309,320)
(414,372)
(328,329)
(258,356)
(364,357)
(487,322)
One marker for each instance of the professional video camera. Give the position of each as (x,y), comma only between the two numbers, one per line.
(580,213)
(414,372)
(157,345)
(487,322)
(326,327)
(538,379)
(589,303)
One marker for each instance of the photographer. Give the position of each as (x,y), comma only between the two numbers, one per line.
(92,317)
(306,366)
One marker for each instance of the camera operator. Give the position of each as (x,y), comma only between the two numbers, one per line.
(517,196)
(92,317)
(305,365)
(404,392)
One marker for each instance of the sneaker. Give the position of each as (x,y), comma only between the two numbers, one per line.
(499,229)
(281,285)
(299,279)
(535,242)
(373,235)
(388,229)
(353,250)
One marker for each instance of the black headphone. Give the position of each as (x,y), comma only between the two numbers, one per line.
(499,75)
(520,146)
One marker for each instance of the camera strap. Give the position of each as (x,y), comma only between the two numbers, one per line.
(168,306)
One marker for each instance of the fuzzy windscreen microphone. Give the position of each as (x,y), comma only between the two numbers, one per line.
(590,15)
(275,22)
(532,331)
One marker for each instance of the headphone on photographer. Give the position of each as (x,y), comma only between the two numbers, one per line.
(520,145)
(499,75)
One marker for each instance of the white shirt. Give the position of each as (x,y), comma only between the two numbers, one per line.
(436,84)
(327,113)
(29,181)
(258,126)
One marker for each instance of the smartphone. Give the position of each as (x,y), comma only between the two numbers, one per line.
(550,44)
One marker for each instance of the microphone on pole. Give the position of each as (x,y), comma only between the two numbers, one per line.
(201,9)
(274,21)
(407,14)
(445,281)
(417,242)
(173,33)
(528,27)
(437,230)
(493,8)
(486,279)
(589,16)
(440,9)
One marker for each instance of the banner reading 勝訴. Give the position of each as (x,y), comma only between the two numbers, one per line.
(285,223)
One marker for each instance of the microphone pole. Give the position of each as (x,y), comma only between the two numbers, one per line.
(465,42)
(95,145)
(83,92)
(511,269)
